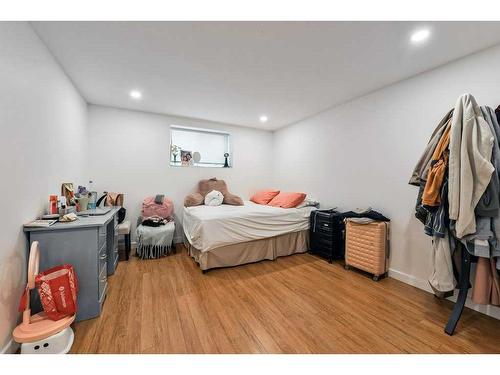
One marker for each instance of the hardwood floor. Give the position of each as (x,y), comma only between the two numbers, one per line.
(296,304)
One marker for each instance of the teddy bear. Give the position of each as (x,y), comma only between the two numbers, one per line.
(205,187)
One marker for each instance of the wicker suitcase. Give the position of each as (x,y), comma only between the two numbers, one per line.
(367,247)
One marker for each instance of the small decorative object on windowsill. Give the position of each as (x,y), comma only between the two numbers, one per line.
(174,149)
(196,157)
(186,158)
(226,164)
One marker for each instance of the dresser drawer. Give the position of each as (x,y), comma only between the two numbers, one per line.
(103,282)
(103,257)
(101,235)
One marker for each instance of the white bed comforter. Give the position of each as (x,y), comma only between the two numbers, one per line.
(209,227)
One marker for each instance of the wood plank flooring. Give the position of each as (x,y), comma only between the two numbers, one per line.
(296,304)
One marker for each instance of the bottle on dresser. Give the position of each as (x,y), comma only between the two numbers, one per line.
(92,195)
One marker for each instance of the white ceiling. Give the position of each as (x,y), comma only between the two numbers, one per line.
(233,72)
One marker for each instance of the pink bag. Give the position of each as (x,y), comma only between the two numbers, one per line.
(150,208)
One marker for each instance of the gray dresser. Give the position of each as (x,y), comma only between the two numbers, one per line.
(90,244)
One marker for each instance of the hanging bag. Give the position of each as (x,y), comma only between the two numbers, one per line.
(114,199)
(58,288)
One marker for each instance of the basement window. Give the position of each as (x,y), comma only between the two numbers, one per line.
(197,147)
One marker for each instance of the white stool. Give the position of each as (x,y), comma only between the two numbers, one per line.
(60,343)
(124,229)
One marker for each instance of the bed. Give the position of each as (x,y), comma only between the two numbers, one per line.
(224,236)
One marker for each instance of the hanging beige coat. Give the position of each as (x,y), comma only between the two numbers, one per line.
(470,167)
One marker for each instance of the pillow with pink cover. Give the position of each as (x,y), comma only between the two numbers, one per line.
(264,196)
(287,200)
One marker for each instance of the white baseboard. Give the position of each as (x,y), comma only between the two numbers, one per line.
(10,348)
(410,279)
(489,310)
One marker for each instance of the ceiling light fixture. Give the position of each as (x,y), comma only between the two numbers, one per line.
(263,118)
(135,94)
(420,35)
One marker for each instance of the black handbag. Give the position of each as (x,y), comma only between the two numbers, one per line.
(122,212)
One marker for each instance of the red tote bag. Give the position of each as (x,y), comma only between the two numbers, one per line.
(58,288)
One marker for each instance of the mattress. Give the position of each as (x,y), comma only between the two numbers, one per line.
(208,227)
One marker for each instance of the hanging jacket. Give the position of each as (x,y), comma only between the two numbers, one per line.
(484,239)
(368,213)
(420,172)
(436,220)
(441,279)
(470,167)
(439,162)
(486,289)
(489,203)
(421,169)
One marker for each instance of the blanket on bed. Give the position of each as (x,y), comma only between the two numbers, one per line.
(207,228)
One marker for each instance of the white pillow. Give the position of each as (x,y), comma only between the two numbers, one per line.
(214,198)
(308,201)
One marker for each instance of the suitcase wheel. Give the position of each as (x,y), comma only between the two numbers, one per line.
(347,267)
(375,278)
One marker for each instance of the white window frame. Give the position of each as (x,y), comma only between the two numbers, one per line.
(201,164)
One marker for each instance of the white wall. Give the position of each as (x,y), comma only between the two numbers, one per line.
(362,153)
(130,151)
(43,143)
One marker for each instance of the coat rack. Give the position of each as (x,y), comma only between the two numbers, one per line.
(463,289)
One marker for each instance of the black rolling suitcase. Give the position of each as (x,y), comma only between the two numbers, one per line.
(327,234)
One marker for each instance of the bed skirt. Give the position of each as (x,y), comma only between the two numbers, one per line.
(251,251)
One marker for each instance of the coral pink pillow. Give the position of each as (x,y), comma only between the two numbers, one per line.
(287,200)
(264,196)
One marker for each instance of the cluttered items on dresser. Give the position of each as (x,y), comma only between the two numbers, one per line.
(458,202)
(74,203)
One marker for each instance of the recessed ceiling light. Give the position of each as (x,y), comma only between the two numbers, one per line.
(135,94)
(420,35)
(263,118)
